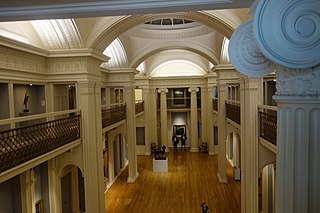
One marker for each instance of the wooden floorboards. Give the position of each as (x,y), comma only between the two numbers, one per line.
(191,180)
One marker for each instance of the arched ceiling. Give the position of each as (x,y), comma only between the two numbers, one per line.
(125,23)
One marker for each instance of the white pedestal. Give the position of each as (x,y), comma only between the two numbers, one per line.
(160,165)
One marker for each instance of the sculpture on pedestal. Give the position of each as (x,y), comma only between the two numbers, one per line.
(26,102)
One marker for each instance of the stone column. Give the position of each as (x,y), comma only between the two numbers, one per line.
(194,120)
(298,148)
(153,116)
(11,103)
(147,118)
(90,105)
(204,114)
(163,114)
(210,120)
(250,97)
(27,191)
(129,98)
(222,95)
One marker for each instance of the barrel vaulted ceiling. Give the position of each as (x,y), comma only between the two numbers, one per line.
(132,43)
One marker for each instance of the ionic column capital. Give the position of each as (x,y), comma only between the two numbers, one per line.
(298,84)
(193,89)
(163,90)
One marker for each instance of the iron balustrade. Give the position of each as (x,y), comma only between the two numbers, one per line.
(233,111)
(268,125)
(22,144)
(113,114)
(215,104)
(139,106)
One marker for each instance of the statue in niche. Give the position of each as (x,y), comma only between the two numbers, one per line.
(26,102)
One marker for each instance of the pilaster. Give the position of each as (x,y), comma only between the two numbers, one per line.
(164,117)
(194,120)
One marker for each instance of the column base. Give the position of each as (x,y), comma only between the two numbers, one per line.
(132,180)
(194,149)
(222,180)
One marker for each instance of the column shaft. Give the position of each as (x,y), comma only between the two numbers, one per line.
(222,95)
(164,117)
(194,120)
(251,97)
(129,98)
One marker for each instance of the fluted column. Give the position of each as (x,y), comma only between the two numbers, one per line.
(210,120)
(27,191)
(90,105)
(194,120)
(222,95)
(250,98)
(153,116)
(147,115)
(298,149)
(204,114)
(163,114)
(129,98)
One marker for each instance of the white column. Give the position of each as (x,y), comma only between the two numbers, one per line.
(222,94)
(204,114)
(27,191)
(11,103)
(129,98)
(90,105)
(163,115)
(210,120)
(111,155)
(54,183)
(194,120)
(147,115)
(298,148)
(250,97)
(153,116)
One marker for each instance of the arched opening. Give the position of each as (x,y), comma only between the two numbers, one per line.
(72,190)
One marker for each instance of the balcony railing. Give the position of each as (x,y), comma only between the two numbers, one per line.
(113,114)
(22,144)
(174,103)
(233,111)
(215,104)
(139,106)
(268,123)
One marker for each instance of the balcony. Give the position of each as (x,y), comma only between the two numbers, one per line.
(233,111)
(268,123)
(215,104)
(19,145)
(139,106)
(113,114)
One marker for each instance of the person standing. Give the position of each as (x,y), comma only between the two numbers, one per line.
(175,142)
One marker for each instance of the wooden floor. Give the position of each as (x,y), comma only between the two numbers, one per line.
(191,180)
